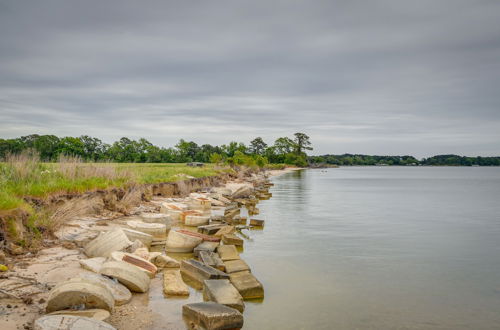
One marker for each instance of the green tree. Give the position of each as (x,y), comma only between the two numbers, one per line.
(257,146)
(301,143)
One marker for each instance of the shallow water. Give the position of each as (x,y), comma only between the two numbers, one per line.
(379,248)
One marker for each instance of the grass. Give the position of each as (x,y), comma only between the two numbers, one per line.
(25,176)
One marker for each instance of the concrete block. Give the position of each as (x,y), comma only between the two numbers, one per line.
(120,293)
(129,275)
(223,292)
(75,293)
(232,239)
(92,264)
(200,272)
(233,266)
(70,322)
(181,242)
(247,285)
(228,252)
(173,285)
(96,314)
(104,244)
(205,246)
(212,316)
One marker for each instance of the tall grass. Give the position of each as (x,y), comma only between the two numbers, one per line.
(23,175)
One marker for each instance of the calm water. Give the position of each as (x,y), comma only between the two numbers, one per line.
(379,248)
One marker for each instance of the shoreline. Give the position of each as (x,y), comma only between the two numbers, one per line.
(37,274)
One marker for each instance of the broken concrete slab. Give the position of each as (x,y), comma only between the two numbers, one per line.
(196,220)
(228,252)
(200,272)
(247,285)
(224,231)
(202,236)
(70,322)
(106,243)
(206,258)
(181,242)
(205,246)
(96,314)
(133,235)
(173,285)
(257,222)
(153,229)
(129,275)
(210,229)
(223,292)
(232,239)
(120,293)
(162,218)
(233,266)
(75,293)
(163,261)
(143,264)
(92,264)
(211,316)
(142,252)
(243,192)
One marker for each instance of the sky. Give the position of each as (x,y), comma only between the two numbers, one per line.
(374,77)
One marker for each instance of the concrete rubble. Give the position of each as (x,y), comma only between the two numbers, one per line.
(211,316)
(223,292)
(124,256)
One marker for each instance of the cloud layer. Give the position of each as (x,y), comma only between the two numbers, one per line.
(379,77)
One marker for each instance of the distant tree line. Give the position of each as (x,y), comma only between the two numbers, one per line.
(50,147)
(440,160)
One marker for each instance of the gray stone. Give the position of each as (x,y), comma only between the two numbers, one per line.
(206,258)
(205,246)
(223,292)
(200,272)
(69,322)
(247,285)
(211,316)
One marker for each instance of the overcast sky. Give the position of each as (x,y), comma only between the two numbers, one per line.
(377,77)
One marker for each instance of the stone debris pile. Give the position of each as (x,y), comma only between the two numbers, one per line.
(205,225)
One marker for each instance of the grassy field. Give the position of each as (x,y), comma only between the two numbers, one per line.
(22,176)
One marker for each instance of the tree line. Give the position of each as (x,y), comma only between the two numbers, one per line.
(285,150)
(439,160)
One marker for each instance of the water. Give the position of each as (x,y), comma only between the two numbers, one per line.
(379,248)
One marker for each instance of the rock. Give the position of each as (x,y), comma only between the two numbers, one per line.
(137,244)
(228,252)
(106,243)
(199,203)
(233,266)
(153,229)
(69,322)
(242,192)
(143,264)
(173,285)
(205,246)
(256,222)
(211,316)
(196,220)
(247,285)
(163,261)
(206,258)
(120,293)
(153,255)
(187,213)
(200,272)
(222,190)
(232,239)
(93,264)
(223,292)
(75,293)
(96,314)
(133,235)
(161,218)
(142,252)
(225,230)
(210,229)
(180,242)
(129,275)
(202,236)
(231,214)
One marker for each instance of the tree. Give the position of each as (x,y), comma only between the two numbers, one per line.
(283,145)
(301,143)
(258,146)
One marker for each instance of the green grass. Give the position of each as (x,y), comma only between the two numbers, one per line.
(26,177)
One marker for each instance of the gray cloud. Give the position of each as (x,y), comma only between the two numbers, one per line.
(380,77)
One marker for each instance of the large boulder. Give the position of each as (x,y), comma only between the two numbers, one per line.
(129,275)
(76,293)
(211,316)
(223,292)
(106,243)
(70,322)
